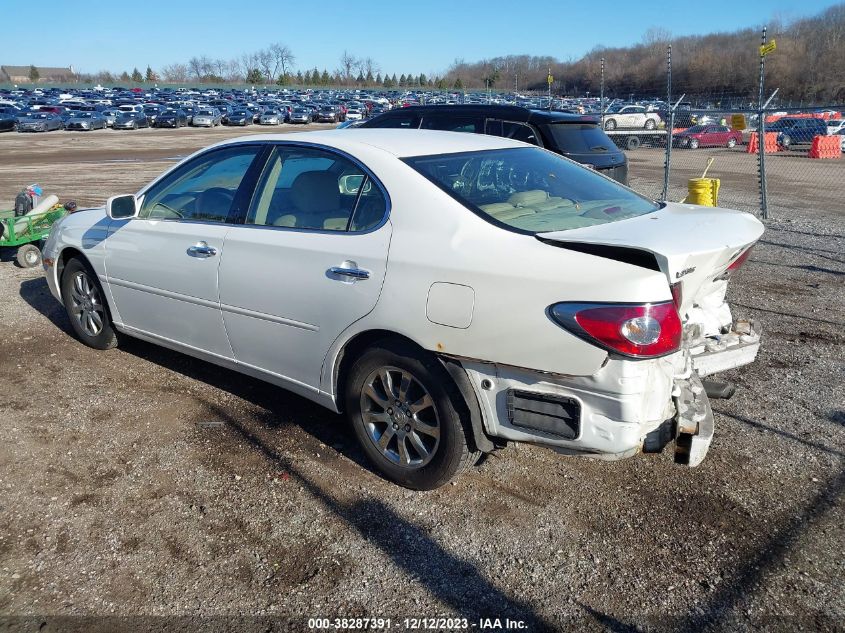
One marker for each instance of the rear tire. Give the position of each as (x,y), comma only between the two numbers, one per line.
(86,307)
(28,256)
(633,142)
(408,416)
(650,124)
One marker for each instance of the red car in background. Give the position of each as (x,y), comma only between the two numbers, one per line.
(707,136)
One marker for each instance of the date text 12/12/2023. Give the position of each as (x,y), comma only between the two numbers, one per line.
(416,624)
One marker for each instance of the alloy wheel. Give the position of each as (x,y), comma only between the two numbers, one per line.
(86,304)
(400,417)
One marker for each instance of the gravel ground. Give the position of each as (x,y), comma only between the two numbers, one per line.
(169,494)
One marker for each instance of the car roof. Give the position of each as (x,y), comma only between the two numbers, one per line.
(509,112)
(399,143)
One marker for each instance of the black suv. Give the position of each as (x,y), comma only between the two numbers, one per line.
(797,131)
(572,135)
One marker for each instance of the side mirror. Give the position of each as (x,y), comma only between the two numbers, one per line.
(122,207)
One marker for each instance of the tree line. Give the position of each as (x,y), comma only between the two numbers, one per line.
(807,65)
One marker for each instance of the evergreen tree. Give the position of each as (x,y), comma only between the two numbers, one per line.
(324,78)
(458,85)
(422,80)
(34,75)
(300,79)
(150,75)
(393,81)
(136,75)
(360,78)
(378,79)
(369,78)
(402,80)
(254,76)
(306,78)
(124,76)
(283,80)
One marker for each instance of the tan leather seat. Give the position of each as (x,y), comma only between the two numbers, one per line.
(315,197)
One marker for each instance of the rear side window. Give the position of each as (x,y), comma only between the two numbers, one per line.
(511,129)
(406,121)
(453,123)
(309,188)
(581,138)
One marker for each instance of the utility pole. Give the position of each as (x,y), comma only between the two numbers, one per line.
(668,163)
(601,96)
(761,128)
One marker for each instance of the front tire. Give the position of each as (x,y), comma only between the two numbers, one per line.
(693,143)
(650,124)
(408,416)
(86,307)
(732,143)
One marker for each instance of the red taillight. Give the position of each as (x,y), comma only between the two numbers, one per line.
(642,331)
(739,261)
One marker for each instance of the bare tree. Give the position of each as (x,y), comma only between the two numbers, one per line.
(175,73)
(195,68)
(347,63)
(283,59)
(264,59)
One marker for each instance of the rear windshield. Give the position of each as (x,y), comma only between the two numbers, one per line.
(531,190)
(581,138)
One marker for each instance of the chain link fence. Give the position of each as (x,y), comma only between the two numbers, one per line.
(716,135)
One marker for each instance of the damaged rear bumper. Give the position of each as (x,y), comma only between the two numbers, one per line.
(694,422)
(727,351)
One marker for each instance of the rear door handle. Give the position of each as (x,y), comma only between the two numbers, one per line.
(202,249)
(354,273)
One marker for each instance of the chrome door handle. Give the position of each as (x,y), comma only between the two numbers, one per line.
(202,249)
(354,273)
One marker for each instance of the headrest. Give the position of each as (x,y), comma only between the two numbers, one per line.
(315,191)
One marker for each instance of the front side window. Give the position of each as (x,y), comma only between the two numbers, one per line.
(309,188)
(203,189)
(531,190)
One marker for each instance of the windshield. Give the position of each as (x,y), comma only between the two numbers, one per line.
(531,190)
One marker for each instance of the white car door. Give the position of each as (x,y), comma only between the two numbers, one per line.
(161,266)
(309,261)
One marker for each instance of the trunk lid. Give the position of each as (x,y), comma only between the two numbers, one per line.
(691,244)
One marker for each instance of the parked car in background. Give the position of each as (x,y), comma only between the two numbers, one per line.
(354,113)
(86,121)
(301,115)
(834,125)
(575,136)
(630,116)
(271,117)
(130,120)
(8,122)
(152,112)
(40,121)
(707,136)
(207,117)
(172,118)
(571,313)
(797,131)
(328,114)
(240,117)
(109,115)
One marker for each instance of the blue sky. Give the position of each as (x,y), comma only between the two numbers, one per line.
(418,36)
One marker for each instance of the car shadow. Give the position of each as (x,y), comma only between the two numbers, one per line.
(419,556)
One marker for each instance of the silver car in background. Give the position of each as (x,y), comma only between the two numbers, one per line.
(271,117)
(207,117)
(86,121)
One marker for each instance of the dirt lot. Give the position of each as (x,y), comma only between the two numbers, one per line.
(169,494)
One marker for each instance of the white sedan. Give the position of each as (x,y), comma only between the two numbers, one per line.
(449,292)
